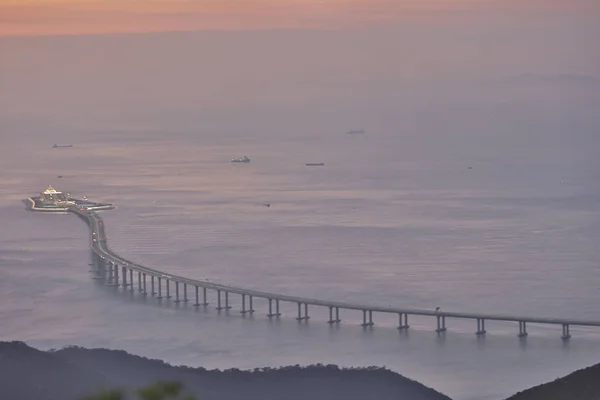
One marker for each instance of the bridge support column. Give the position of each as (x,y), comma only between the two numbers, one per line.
(365,322)
(441,323)
(98,271)
(139,281)
(159,288)
(152,291)
(116,274)
(251,308)
(145,293)
(124,273)
(204,302)
(271,314)
(301,317)
(565,332)
(168,288)
(522,329)
(403,321)
(227,306)
(177,292)
(480,326)
(243,304)
(197,303)
(110,279)
(107,274)
(219,300)
(337,315)
(131,280)
(185,298)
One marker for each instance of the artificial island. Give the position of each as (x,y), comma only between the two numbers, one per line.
(51,200)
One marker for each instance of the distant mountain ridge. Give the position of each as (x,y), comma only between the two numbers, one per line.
(30,374)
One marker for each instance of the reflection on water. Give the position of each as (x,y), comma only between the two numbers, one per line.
(381,223)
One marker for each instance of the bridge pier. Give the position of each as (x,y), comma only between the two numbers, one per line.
(97,268)
(301,317)
(441,323)
(403,321)
(116,274)
(227,306)
(565,332)
(480,326)
(185,298)
(145,293)
(271,314)
(159,284)
(139,281)
(337,315)
(197,303)
(177,292)
(131,280)
(168,288)
(204,302)
(249,310)
(522,329)
(109,279)
(124,273)
(370,322)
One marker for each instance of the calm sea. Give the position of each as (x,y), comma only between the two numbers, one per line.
(393,218)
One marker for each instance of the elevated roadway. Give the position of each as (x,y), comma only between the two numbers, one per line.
(116,270)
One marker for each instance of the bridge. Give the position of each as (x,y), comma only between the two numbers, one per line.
(117,271)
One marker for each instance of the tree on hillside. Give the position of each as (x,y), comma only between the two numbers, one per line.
(162,390)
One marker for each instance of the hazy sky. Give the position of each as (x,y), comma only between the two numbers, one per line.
(42,17)
(349,62)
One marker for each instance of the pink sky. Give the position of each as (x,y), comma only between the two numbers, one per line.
(43,17)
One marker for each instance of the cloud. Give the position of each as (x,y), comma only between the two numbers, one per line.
(30,17)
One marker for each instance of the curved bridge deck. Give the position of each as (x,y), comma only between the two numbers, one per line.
(117,271)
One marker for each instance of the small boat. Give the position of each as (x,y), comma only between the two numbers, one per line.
(316,164)
(240,160)
(356,132)
(61,145)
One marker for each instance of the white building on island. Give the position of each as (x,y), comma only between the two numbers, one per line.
(51,196)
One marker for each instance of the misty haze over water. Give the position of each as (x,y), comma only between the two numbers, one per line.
(394,217)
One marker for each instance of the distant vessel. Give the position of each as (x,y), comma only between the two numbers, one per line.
(241,160)
(61,145)
(356,132)
(316,164)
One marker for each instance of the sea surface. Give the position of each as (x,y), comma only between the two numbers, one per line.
(508,225)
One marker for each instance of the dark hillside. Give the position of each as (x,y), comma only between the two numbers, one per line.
(580,385)
(30,374)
